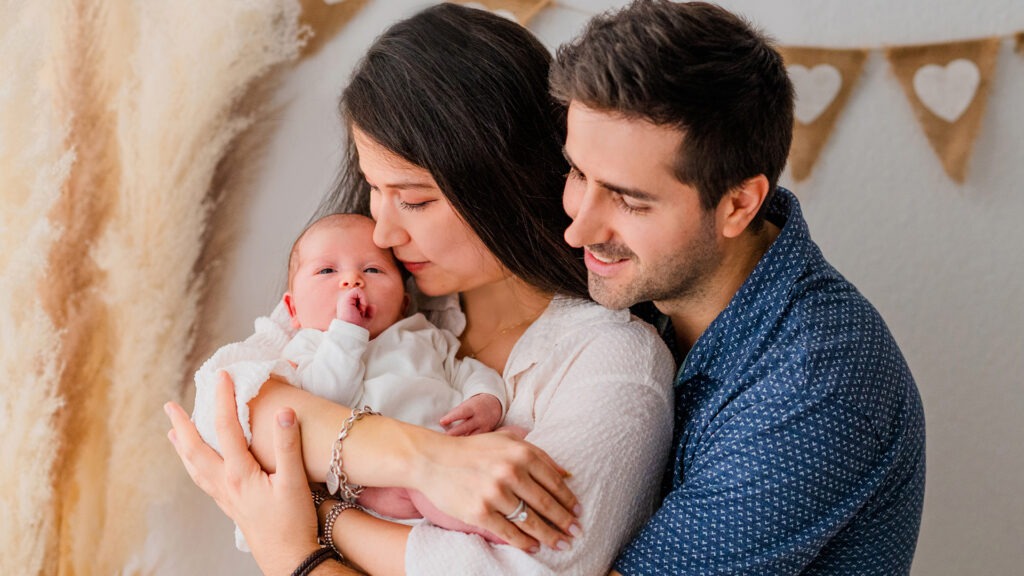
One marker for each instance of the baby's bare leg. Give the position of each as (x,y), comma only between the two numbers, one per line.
(390,502)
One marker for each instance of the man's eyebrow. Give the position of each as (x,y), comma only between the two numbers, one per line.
(621,190)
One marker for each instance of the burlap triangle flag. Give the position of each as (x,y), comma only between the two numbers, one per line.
(823,79)
(521,11)
(947,86)
(325,18)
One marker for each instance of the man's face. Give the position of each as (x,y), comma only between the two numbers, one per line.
(645,235)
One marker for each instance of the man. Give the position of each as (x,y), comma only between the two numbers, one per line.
(799,437)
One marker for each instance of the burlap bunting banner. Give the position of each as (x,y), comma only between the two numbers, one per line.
(325,19)
(947,86)
(823,79)
(521,11)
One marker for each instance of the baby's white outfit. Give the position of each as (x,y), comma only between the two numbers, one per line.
(408,372)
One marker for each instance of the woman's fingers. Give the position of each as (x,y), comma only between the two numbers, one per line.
(229,431)
(510,533)
(530,523)
(199,459)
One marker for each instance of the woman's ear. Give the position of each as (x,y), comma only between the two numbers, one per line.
(740,205)
(289,303)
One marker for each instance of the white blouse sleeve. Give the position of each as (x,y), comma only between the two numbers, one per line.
(608,420)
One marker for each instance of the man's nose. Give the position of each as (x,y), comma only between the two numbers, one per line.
(589,219)
(350,280)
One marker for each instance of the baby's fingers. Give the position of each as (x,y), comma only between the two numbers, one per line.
(464,428)
(460,412)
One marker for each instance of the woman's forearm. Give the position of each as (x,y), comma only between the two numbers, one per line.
(377,452)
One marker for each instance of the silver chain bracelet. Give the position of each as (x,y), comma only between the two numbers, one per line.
(336,477)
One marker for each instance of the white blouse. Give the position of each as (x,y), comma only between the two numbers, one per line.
(593,386)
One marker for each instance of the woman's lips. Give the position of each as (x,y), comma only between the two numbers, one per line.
(414,267)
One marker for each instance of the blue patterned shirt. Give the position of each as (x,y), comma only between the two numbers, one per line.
(799,443)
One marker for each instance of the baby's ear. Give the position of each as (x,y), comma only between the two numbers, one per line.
(289,303)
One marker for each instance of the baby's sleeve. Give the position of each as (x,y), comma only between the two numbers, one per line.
(250,363)
(330,364)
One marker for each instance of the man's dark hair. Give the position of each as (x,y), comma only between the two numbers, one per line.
(696,67)
(464,94)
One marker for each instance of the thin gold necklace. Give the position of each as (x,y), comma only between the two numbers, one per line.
(474,352)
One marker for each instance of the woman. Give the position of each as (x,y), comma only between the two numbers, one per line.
(455,149)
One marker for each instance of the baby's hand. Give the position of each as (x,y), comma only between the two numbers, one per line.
(352,308)
(481,413)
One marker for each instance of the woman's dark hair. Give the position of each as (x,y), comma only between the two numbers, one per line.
(464,94)
(696,67)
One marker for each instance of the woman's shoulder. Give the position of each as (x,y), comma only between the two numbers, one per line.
(571,325)
(568,315)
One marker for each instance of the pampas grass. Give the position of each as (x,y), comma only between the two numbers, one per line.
(179,114)
(105,250)
(34,166)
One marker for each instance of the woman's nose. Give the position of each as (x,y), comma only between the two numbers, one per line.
(387,233)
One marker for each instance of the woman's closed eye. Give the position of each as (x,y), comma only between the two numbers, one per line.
(412,206)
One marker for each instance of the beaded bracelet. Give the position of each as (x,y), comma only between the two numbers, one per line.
(315,559)
(336,477)
(327,537)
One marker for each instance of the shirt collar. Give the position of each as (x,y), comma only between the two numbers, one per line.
(752,314)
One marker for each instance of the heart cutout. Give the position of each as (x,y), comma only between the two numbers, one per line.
(947,91)
(816,89)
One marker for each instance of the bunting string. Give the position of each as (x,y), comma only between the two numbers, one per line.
(946,84)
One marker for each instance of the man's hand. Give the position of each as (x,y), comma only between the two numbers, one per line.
(481,413)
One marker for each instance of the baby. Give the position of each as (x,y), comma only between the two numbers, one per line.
(340,333)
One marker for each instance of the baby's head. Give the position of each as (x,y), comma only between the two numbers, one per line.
(336,259)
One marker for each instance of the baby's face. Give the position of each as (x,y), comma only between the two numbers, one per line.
(334,260)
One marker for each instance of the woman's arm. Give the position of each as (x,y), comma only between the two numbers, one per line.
(471,479)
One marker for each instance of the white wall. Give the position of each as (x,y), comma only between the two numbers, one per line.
(941,261)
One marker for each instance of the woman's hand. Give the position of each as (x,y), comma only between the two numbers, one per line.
(274,511)
(480,479)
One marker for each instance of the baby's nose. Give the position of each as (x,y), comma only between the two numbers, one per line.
(351,280)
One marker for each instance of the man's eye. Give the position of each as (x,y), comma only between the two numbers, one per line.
(325,271)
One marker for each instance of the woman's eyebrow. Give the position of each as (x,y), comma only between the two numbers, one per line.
(411,185)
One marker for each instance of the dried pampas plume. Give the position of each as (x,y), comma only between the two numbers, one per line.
(180,113)
(105,250)
(34,166)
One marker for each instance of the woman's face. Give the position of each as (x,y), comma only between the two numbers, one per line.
(416,221)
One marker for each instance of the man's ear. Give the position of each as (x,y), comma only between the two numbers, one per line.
(289,303)
(740,205)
